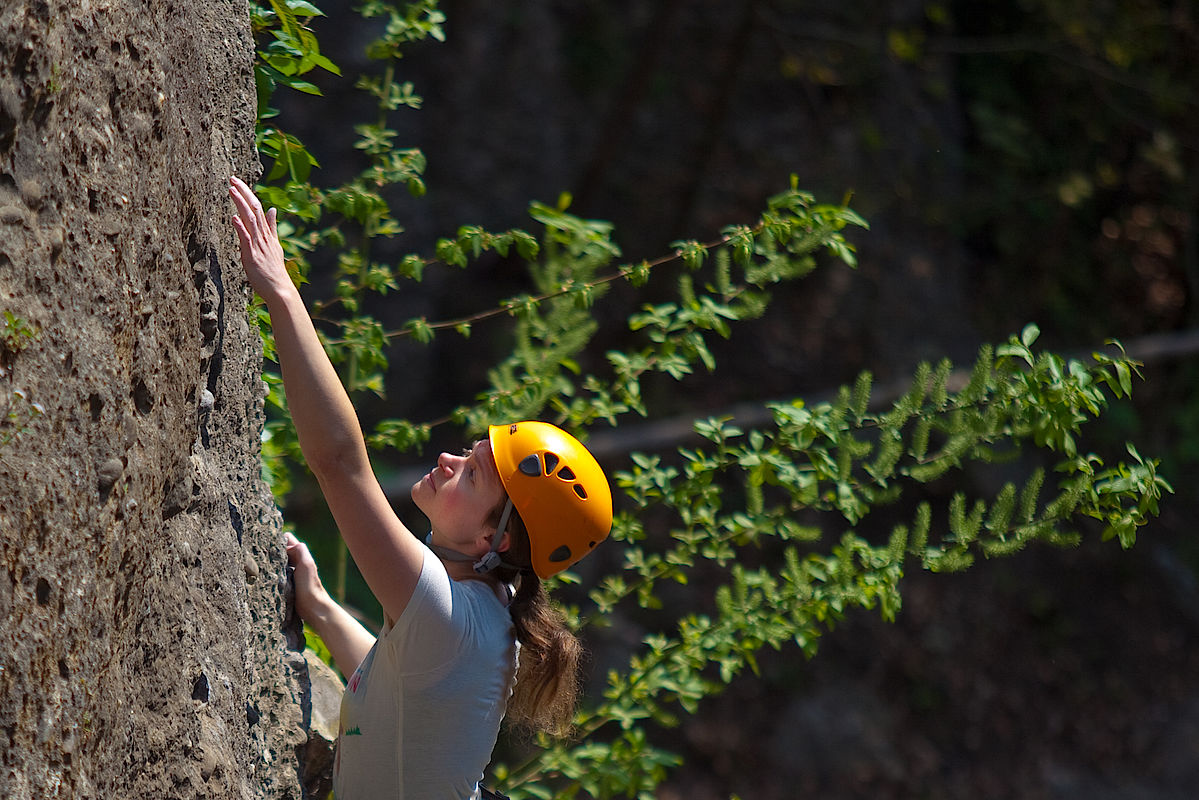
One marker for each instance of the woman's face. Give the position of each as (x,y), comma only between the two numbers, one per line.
(459,497)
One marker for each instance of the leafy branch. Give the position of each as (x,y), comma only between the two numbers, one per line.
(816,461)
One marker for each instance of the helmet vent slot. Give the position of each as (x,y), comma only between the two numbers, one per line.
(580,491)
(560,554)
(551,461)
(566,474)
(530,465)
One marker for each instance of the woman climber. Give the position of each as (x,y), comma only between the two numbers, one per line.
(422,709)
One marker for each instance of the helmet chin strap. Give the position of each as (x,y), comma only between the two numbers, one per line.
(491,559)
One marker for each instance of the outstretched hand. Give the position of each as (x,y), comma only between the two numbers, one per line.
(258,236)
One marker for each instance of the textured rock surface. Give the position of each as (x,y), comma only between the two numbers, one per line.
(144,644)
(324,707)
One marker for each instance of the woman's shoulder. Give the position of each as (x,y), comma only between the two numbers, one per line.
(487,597)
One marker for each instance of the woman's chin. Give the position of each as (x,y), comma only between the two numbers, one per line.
(417,492)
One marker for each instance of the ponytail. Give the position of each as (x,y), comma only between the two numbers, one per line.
(547,680)
(547,683)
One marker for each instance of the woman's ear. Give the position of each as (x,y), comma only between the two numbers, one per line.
(505,543)
(488,535)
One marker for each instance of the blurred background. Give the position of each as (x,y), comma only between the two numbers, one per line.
(1018,161)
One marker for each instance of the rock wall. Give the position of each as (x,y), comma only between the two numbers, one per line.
(145,648)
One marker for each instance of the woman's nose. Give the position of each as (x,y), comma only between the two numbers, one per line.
(446,461)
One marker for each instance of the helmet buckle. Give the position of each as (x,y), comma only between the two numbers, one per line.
(488,562)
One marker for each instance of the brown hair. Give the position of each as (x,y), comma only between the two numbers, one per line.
(547,680)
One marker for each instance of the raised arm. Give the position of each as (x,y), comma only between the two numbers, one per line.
(386,553)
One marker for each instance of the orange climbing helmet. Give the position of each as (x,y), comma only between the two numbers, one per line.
(557,488)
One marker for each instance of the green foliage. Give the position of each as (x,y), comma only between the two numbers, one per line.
(290,51)
(794,523)
(15,334)
(734,504)
(17,411)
